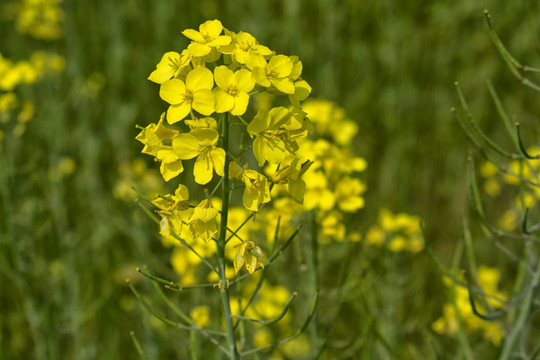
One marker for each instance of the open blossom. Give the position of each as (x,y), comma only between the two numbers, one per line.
(271,139)
(292,176)
(201,223)
(171,64)
(154,135)
(208,37)
(257,190)
(195,93)
(277,73)
(245,49)
(201,143)
(232,91)
(249,255)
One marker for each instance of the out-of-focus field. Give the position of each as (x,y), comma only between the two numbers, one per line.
(71,233)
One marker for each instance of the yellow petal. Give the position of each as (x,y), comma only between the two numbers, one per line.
(172,91)
(281,64)
(301,90)
(166,67)
(258,150)
(220,41)
(178,112)
(241,102)
(211,28)
(224,77)
(250,200)
(203,170)
(193,35)
(200,78)
(259,76)
(238,261)
(278,116)
(243,80)
(224,101)
(186,146)
(204,102)
(218,158)
(198,49)
(171,169)
(259,123)
(297,188)
(205,136)
(285,85)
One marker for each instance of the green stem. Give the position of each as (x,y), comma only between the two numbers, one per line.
(523,316)
(222,242)
(314,333)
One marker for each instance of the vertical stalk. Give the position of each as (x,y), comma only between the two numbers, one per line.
(221,244)
(314,328)
(523,315)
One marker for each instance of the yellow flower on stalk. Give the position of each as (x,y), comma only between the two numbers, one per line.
(171,164)
(201,143)
(245,49)
(276,72)
(292,175)
(202,224)
(154,135)
(272,141)
(195,93)
(171,64)
(257,190)
(177,201)
(173,210)
(208,37)
(232,91)
(249,255)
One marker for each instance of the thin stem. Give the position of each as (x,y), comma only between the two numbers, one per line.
(233,351)
(314,331)
(523,316)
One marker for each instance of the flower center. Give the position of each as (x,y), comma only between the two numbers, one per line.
(188,96)
(233,91)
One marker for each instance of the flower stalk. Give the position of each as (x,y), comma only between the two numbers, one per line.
(231,341)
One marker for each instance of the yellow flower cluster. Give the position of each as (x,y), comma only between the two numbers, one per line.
(41,19)
(23,72)
(458,312)
(325,170)
(519,173)
(397,232)
(206,86)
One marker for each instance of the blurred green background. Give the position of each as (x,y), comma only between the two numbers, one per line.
(68,241)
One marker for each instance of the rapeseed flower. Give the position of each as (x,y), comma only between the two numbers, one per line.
(256,191)
(245,49)
(201,223)
(232,90)
(276,73)
(271,142)
(194,94)
(201,143)
(208,37)
(249,255)
(171,65)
